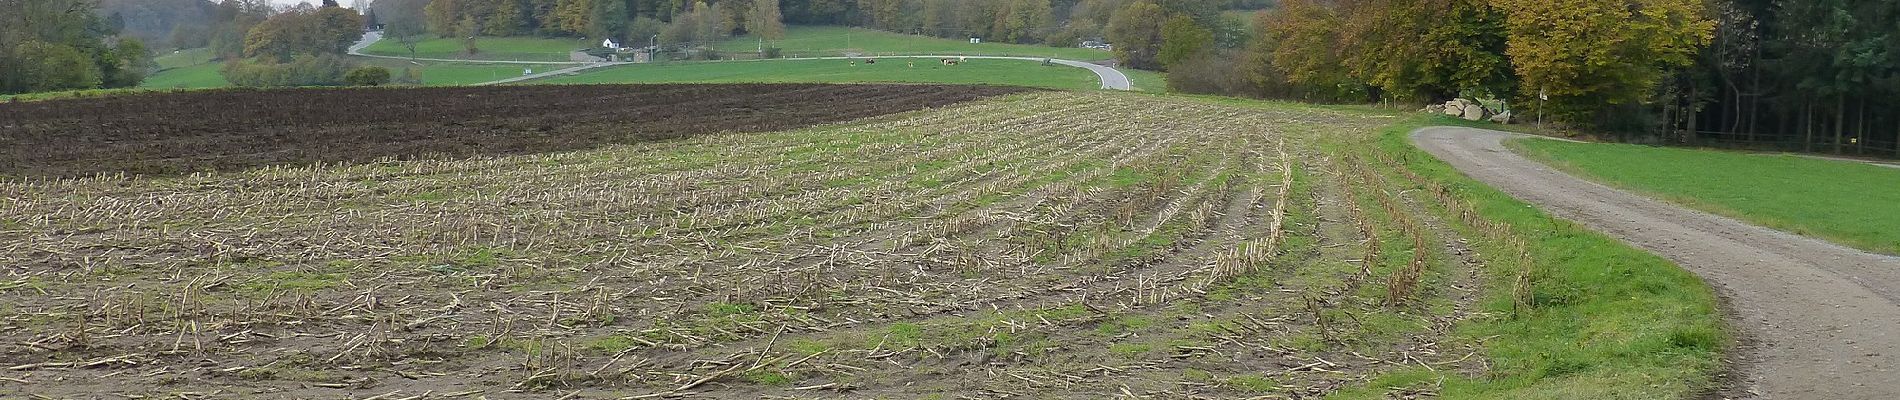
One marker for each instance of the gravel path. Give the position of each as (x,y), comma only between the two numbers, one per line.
(1822,321)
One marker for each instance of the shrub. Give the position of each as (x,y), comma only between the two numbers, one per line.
(368,76)
(1209,73)
(304,70)
(47,67)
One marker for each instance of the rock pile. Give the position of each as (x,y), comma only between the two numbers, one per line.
(1470,110)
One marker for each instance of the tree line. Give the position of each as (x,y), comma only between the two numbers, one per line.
(1810,75)
(1784,74)
(302,45)
(1054,22)
(48,45)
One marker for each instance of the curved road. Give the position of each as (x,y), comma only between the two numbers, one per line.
(1111,78)
(1823,321)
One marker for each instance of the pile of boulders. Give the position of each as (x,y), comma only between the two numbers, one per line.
(1470,110)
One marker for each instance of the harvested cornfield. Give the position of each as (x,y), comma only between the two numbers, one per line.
(1038,245)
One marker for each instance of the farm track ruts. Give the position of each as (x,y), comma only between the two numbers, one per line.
(175,133)
(1052,245)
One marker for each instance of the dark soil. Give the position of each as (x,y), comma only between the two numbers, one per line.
(184,132)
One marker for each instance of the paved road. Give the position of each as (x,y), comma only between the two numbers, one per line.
(1110,77)
(1824,320)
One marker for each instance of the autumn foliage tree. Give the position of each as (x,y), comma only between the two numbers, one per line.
(1426,50)
(1305,49)
(304,31)
(765,19)
(1589,55)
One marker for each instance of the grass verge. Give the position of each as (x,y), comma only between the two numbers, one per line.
(1838,201)
(1609,321)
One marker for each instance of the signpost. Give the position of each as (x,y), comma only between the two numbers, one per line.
(1542,96)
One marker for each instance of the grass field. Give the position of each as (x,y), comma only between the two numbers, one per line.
(492,48)
(183,58)
(995,72)
(452,74)
(1145,80)
(1038,245)
(800,41)
(190,77)
(1845,202)
(185,69)
(836,41)
(194,69)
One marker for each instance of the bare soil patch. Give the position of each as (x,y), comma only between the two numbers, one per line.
(172,133)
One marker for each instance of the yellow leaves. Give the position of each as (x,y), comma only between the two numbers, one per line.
(1609,51)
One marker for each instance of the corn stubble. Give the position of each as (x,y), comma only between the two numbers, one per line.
(1042,244)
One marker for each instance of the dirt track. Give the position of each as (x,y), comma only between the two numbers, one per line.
(1823,321)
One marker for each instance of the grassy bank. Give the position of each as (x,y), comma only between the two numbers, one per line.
(996,72)
(1840,201)
(1608,322)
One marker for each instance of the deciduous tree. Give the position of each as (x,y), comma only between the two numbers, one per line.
(1136,32)
(765,20)
(1182,39)
(1426,50)
(1591,54)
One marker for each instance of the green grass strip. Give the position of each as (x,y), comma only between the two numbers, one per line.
(1845,202)
(1611,321)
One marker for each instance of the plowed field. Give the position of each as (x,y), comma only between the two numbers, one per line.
(184,132)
